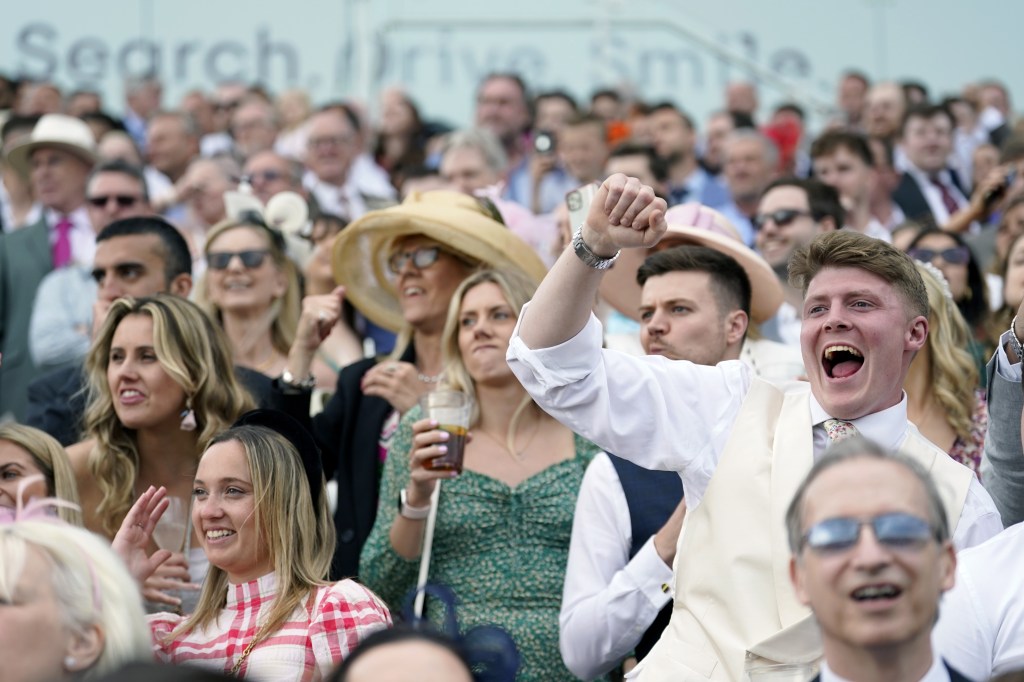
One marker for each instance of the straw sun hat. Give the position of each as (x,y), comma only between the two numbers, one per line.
(456,221)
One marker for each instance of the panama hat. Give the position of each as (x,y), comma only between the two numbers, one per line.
(55,131)
(699,225)
(458,222)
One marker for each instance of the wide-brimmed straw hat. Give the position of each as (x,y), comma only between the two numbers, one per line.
(456,221)
(56,131)
(700,225)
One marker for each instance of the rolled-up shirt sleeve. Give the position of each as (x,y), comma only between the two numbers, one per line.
(658,413)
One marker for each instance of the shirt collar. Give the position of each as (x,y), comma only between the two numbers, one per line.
(78,217)
(888,428)
(936,673)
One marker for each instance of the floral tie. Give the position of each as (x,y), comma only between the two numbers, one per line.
(839,430)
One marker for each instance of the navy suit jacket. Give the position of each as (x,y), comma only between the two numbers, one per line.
(909,197)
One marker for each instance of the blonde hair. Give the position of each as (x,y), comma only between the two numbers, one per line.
(953,372)
(53,460)
(91,584)
(299,537)
(285,310)
(517,290)
(194,352)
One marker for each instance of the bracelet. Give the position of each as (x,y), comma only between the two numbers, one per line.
(585,254)
(409,512)
(289,380)
(1015,342)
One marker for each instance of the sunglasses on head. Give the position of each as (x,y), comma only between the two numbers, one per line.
(123,200)
(219,260)
(421,258)
(782,217)
(895,531)
(955,255)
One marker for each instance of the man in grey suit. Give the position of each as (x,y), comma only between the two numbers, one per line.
(1002,466)
(57,158)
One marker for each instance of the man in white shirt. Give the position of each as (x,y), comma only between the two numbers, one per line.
(695,305)
(843,160)
(981,623)
(741,444)
(871,557)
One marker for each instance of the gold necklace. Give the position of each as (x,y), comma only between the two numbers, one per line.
(516,454)
(248,650)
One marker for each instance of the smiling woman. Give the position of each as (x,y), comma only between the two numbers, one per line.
(161,386)
(265,610)
(252,288)
(27,452)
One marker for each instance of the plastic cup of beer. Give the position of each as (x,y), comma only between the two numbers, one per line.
(451,411)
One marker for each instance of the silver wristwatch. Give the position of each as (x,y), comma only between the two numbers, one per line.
(589,258)
(412,513)
(289,380)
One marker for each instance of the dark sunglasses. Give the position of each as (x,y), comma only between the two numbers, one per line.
(123,200)
(263,176)
(219,260)
(955,255)
(895,531)
(782,217)
(421,258)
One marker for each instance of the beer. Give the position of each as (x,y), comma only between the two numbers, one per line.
(451,460)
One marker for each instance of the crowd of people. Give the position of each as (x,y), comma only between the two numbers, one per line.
(746,397)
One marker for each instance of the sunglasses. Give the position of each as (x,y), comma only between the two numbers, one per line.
(782,217)
(894,531)
(219,260)
(123,200)
(956,255)
(421,258)
(263,176)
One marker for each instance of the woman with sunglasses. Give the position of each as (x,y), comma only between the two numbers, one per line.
(950,254)
(944,395)
(161,386)
(399,267)
(265,611)
(252,289)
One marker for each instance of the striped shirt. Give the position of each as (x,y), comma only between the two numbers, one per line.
(315,639)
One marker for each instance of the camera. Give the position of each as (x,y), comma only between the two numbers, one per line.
(544,142)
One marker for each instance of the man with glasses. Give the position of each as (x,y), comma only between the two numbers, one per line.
(871,556)
(269,173)
(790,214)
(60,329)
(342,178)
(740,444)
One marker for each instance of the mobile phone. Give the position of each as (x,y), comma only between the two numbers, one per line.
(579,201)
(999,192)
(544,142)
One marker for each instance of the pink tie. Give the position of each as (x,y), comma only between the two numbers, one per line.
(62,247)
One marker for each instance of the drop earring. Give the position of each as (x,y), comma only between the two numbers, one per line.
(69,663)
(188,417)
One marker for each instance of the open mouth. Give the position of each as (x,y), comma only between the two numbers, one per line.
(841,361)
(876,592)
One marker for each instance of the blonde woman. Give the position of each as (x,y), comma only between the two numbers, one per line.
(161,386)
(70,610)
(252,289)
(265,610)
(26,452)
(503,525)
(944,396)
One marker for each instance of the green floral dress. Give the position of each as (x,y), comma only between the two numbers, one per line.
(502,550)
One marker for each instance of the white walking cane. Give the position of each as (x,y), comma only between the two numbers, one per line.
(428,544)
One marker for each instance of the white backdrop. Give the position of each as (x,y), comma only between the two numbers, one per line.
(680,50)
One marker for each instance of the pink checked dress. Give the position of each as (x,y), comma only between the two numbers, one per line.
(319,635)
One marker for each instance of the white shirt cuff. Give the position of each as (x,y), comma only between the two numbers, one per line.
(1006,370)
(560,365)
(652,575)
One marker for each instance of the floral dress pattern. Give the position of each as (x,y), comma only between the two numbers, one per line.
(502,550)
(968,452)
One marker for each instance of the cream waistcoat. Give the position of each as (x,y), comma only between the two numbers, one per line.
(734,608)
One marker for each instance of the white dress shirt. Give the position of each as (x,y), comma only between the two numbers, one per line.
(609,600)
(933,195)
(981,620)
(649,409)
(936,673)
